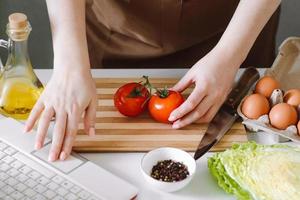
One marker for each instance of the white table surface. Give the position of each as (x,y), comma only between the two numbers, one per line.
(126,165)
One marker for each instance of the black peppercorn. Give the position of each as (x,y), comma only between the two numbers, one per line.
(169,171)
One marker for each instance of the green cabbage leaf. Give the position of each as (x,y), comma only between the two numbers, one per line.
(260,172)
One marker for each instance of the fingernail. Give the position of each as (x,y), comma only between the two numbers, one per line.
(92,131)
(37,146)
(176,126)
(171,118)
(51,157)
(25,130)
(63,156)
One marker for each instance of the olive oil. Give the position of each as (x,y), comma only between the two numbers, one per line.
(18,97)
(19,86)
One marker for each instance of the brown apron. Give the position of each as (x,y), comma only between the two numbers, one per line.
(165,33)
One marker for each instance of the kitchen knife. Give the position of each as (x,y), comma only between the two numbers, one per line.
(227,114)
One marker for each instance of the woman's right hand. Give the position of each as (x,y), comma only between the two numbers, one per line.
(69,94)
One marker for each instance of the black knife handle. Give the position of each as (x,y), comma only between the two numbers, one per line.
(246,81)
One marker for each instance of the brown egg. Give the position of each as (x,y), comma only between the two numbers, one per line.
(292,97)
(298,127)
(266,85)
(255,106)
(283,115)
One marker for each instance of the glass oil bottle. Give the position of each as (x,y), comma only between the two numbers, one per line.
(19,86)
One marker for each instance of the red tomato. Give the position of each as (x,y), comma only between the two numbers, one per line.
(130,99)
(163,103)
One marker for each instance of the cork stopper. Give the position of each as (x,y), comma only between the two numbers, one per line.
(17,21)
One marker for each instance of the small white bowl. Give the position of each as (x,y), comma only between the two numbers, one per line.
(167,153)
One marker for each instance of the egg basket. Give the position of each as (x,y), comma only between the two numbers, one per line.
(286,70)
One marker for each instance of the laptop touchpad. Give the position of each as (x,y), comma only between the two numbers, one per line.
(65,166)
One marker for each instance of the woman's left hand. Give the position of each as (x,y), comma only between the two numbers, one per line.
(213,77)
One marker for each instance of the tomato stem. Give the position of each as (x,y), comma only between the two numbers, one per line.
(135,92)
(147,84)
(163,93)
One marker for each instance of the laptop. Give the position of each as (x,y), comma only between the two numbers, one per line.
(26,173)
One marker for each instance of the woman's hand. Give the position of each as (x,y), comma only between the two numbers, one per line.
(213,77)
(68,95)
(71,91)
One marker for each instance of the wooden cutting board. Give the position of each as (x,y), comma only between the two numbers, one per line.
(117,133)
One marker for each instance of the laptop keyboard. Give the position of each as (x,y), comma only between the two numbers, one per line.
(20,180)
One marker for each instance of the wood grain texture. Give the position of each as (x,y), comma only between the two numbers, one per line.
(117,133)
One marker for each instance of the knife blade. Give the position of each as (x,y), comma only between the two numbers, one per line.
(227,114)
